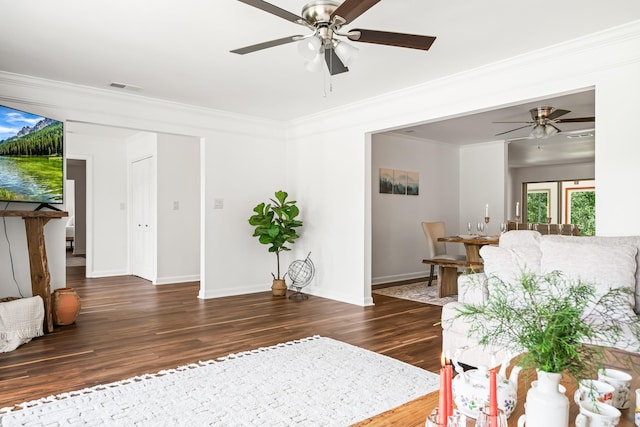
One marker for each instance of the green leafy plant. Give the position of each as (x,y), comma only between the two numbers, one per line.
(558,325)
(275,224)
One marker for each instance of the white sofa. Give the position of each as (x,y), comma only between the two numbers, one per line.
(606,261)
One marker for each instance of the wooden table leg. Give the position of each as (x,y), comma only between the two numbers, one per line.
(473,252)
(40,276)
(447,281)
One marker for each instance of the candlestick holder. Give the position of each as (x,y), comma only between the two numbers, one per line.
(486,420)
(517,222)
(486,221)
(433,419)
(456,419)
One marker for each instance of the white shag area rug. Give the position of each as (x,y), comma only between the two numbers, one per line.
(308,382)
(417,292)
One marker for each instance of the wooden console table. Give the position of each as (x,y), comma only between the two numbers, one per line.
(34,222)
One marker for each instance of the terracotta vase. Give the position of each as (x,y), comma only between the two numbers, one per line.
(66,306)
(279,288)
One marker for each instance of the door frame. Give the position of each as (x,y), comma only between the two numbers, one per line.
(88,160)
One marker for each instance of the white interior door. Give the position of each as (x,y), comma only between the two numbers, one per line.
(142,246)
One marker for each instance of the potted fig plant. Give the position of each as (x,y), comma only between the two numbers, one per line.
(275,225)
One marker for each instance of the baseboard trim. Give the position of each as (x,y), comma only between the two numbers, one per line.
(107,273)
(382,280)
(176,279)
(402,282)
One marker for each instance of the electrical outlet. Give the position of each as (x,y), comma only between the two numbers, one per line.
(218,203)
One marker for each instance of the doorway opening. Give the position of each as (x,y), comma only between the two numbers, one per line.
(76,205)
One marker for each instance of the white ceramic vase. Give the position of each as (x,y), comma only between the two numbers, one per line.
(546,405)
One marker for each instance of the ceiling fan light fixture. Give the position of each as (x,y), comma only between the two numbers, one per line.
(543,131)
(309,47)
(345,52)
(550,130)
(537,132)
(316,64)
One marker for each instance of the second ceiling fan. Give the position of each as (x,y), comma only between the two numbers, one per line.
(543,121)
(326,19)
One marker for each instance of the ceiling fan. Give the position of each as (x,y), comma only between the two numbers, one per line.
(326,18)
(544,120)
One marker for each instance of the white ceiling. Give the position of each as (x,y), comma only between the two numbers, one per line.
(179,51)
(574,144)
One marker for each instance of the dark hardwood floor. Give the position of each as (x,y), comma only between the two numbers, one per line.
(129,327)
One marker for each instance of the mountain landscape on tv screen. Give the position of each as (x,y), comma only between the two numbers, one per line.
(31,158)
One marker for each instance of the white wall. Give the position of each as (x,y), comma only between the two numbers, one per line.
(483,181)
(242,170)
(617,150)
(398,242)
(15,276)
(107,236)
(329,184)
(178,209)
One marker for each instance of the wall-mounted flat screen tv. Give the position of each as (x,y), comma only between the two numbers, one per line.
(31,158)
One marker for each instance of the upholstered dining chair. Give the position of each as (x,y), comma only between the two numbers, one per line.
(435,249)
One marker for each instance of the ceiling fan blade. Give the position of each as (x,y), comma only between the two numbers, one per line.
(351,9)
(576,120)
(557,113)
(265,45)
(334,63)
(515,122)
(512,130)
(411,41)
(274,10)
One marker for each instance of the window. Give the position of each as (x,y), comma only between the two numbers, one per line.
(579,205)
(562,202)
(538,206)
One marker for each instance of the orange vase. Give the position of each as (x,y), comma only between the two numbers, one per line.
(66,306)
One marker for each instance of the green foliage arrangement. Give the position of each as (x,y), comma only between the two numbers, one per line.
(560,325)
(275,224)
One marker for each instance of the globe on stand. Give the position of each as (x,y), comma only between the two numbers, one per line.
(301,273)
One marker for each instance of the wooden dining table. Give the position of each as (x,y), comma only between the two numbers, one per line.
(414,412)
(472,244)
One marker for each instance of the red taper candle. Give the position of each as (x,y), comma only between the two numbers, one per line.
(442,404)
(449,373)
(493,394)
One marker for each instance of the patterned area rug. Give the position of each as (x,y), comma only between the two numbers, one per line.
(417,292)
(309,382)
